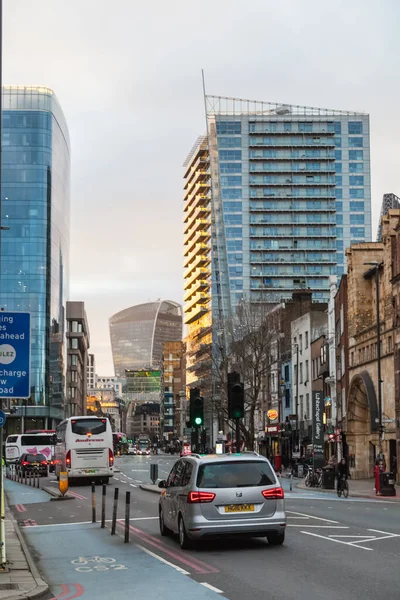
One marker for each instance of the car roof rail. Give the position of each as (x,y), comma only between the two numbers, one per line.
(195,455)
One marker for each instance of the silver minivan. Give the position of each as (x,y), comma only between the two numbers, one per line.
(217,495)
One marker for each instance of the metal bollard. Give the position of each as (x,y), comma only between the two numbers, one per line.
(37,480)
(30,478)
(153,472)
(93,502)
(127,511)
(291,481)
(103,507)
(25,478)
(114,515)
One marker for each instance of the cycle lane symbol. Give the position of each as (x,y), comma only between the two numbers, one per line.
(88,564)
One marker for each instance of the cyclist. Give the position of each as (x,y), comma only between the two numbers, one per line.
(342,471)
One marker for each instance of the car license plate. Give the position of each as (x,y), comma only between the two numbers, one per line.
(35,464)
(239,508)
(91,470)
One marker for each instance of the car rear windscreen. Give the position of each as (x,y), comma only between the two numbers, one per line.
(35,457)
(85,426)
(235,474)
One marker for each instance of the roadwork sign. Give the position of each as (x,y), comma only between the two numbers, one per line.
(15,354)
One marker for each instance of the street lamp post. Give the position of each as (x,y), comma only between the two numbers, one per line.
(377,266)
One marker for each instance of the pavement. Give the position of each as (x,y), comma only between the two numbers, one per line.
(21,580)
(357,537)
(358,488)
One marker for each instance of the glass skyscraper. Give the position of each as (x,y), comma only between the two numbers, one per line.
(290,192)
(35,250)
(138,334)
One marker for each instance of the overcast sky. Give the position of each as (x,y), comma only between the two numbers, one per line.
(128,76)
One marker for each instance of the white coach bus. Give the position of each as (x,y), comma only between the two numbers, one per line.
(84,448)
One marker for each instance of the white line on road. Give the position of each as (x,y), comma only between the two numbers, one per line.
(211,587)
(323,537)
(179,569)
(318,526)
(90,522)
(311,517)
(133,485)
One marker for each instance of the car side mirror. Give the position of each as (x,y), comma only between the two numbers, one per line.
(162,484)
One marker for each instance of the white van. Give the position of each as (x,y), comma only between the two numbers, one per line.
(84,448)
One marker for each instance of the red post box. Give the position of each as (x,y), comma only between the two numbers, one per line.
(377,479)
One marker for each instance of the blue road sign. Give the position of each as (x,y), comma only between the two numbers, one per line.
(2,419)
(15,354)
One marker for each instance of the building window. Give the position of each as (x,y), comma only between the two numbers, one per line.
(301,343)
(73,343)
(390,344)
(301,372)
(355,127)
(286,372)
(306,373)
(306,340)
(308,412)
(287,398)
(301,407)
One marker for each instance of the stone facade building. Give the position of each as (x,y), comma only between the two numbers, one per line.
(361,423)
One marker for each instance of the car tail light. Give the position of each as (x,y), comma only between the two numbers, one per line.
(275,493)
(24,463)
(68,459)
(44,462)
(110,458)
(196,497)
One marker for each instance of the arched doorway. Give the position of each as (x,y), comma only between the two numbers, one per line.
(362,424)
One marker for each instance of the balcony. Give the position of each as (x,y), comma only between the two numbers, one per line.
(202,161)
(200,284)
(282,207)
(200,236)
(191,276)
(200,251)
(318,235)
(199,298)
(199,187)
(203,212)
(195,314)
(196,225)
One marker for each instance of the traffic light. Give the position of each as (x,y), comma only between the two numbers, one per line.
(235,396)
(196,408)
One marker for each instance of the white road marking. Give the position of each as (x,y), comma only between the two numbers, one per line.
(211,587)
(90,522)
(330,539)
(311,517)
(318,526)
(166,562)
(133,485)
(386,533)
(138,481)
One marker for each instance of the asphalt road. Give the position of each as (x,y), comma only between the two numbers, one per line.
(335,549)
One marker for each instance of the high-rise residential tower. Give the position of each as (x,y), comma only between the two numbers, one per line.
(35,249)
(138,334)
(290,190)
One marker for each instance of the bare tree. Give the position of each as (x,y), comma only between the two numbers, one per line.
(245,345)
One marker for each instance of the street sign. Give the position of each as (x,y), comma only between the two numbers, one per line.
(15,354)
(2,418)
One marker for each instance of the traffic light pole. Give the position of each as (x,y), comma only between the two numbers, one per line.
(238,436)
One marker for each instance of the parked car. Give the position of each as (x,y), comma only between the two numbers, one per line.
(222,495)
(33,463)
(132,450)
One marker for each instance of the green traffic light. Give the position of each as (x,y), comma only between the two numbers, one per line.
(198,420)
